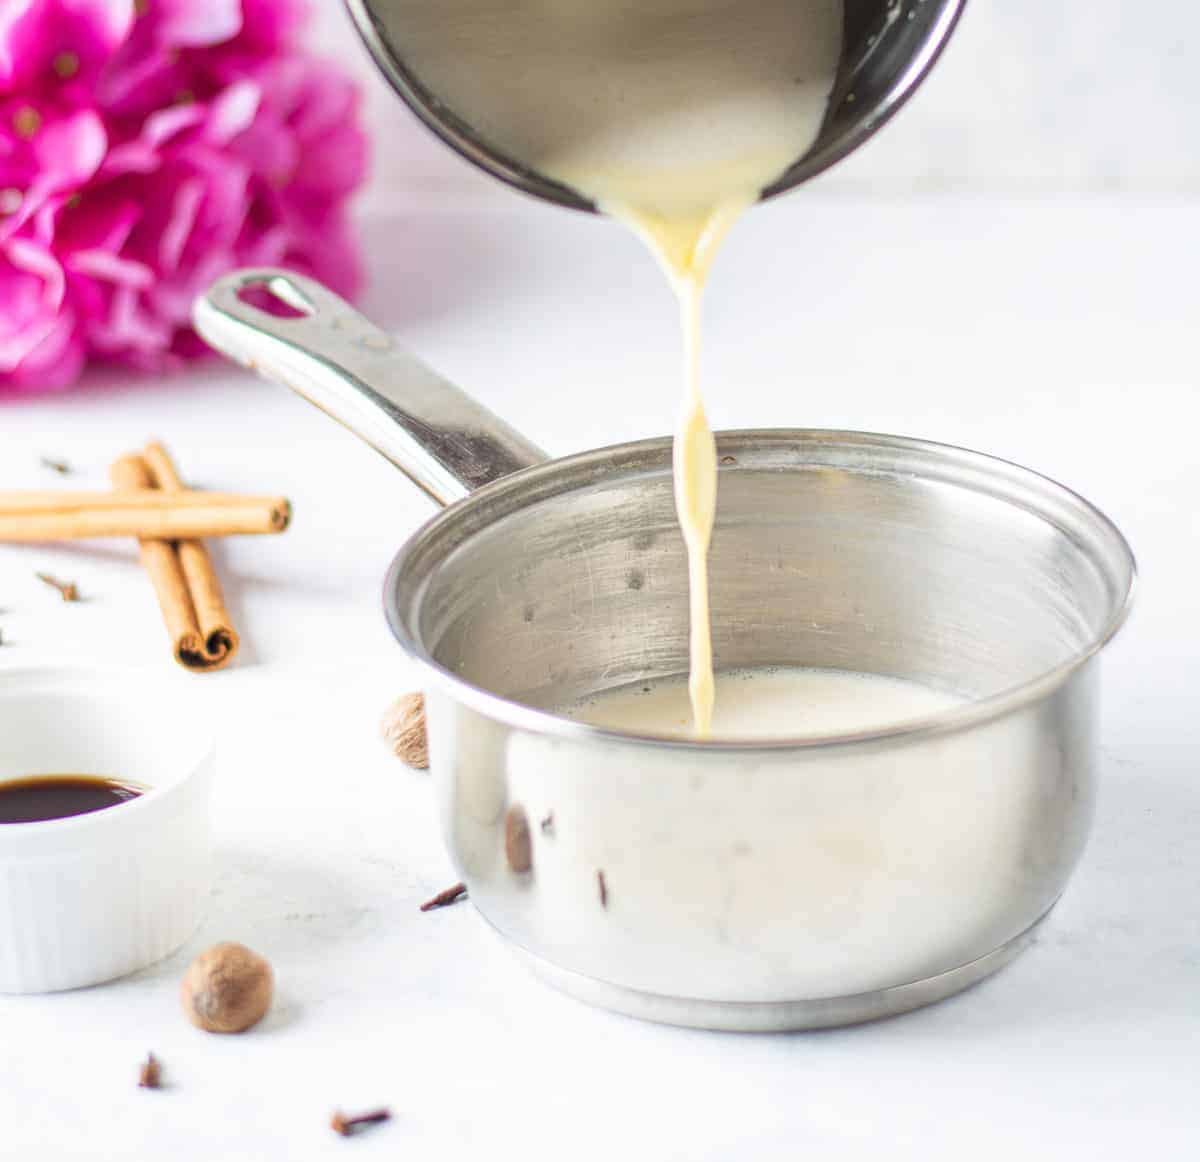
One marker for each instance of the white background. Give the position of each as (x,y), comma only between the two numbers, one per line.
(1036,303)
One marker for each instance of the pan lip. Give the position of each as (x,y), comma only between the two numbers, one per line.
(962,717)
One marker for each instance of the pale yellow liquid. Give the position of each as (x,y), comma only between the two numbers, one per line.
(673,116)
(767,703)
(685,247)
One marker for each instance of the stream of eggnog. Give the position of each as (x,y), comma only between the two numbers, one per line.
(672,116)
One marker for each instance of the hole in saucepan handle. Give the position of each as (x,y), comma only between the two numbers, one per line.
(276,296)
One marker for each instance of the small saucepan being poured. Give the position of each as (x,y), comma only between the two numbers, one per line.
(497,79)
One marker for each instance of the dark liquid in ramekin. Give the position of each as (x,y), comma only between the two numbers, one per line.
(42,797)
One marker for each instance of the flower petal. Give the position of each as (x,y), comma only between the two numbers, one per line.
(269,25)
(184,212)
(187,24)
(70,151)
(109,267)
(47,45)
(32,291)
(27,256)
(160,127)
(130,157)
(15,33)
(232,112)
(54,363)
(129,326)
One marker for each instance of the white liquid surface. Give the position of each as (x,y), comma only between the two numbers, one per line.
(775,702)
(671,115)
(667,106)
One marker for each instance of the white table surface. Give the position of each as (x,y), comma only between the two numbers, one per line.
(1059,334)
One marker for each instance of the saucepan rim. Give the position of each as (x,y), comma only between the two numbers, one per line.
(590,466)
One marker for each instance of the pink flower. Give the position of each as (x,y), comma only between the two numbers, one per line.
(146,149)
(40,344)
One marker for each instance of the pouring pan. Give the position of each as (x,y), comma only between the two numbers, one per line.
(788,884)
(888,48)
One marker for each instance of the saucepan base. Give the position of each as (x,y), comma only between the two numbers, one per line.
(775,1016)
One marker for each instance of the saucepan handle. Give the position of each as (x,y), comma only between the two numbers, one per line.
(328,353)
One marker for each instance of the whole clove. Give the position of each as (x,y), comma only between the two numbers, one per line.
(445,898)
(150,1073)
(348,1126)
(68,590)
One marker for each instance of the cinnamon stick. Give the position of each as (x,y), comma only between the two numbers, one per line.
(70,516)
(161,562)
(220,639)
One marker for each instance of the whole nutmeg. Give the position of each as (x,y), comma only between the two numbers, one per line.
(518,843)
(403,728)
(227,989)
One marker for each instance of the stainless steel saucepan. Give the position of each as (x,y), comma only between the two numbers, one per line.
(888,48)
(783,885)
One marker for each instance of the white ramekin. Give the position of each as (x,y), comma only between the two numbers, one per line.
(90,898)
